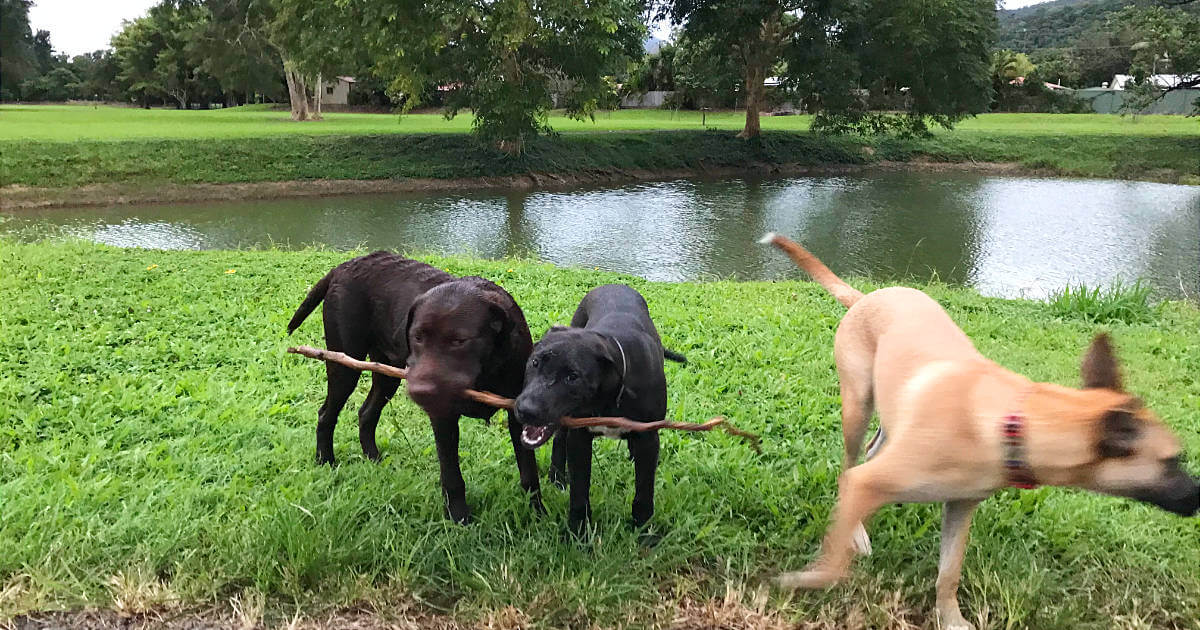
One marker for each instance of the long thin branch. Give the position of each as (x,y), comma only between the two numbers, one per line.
(500,402)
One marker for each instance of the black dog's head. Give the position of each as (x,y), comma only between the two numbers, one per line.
(457,332)
(572,372)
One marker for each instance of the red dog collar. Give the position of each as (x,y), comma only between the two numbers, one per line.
(1020,475)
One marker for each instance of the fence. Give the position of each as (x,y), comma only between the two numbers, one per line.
(1106,101)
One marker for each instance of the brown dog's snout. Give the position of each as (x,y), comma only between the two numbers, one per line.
(436,393)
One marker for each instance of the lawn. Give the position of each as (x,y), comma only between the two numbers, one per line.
(69,123)
(158,456)
(135,152)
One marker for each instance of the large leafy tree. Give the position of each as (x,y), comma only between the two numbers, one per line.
(845,58)
(301,37)
(507,61)
(753,32)
(16,44)
(928,59)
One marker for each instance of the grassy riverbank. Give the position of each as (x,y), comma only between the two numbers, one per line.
(158,457)
(65,148)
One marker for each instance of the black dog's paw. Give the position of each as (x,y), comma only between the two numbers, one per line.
(535,502)
(646,536)
(459,513)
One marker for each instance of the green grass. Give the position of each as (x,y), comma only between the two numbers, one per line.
(158,443)
(64,146)
(1121,302)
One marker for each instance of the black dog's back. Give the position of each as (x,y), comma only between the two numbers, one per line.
(624,301)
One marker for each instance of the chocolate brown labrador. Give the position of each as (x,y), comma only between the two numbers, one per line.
(452,333)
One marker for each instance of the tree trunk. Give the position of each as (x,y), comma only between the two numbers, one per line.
(317,97)
(755,74)
(297,92)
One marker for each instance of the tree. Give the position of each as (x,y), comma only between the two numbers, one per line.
(136,50)
(705,74)
(507,61)
(1167,40)
(754,32)
(16,45)
(845,59)
(60,84)
(235,49)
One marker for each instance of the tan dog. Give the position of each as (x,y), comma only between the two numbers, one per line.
(955,427)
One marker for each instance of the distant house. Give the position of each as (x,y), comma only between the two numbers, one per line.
(337,92)
(1162,81)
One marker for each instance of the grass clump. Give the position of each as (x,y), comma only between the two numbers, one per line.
(157,451)
(1123,302)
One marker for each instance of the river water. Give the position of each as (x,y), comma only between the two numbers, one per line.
(1006,236)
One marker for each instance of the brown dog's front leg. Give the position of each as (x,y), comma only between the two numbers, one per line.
(956,523)
(454,489)
(526,466)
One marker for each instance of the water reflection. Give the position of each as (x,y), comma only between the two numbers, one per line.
(1006,236)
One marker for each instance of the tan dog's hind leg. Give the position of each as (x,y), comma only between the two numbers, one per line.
(864,489)
(854,378)
(956,522)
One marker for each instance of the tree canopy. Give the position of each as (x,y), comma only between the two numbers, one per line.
(507,61)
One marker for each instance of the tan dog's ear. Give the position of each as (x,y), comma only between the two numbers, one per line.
(1118,432)
(1100,368)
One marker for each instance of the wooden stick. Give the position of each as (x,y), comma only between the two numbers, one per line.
(500,402)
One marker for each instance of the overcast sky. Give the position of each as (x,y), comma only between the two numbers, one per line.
(79,26)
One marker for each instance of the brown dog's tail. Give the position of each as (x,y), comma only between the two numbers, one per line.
(314,297)
(844,293)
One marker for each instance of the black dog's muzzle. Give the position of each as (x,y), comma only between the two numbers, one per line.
(537,429)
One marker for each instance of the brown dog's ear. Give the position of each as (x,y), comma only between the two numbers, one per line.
(1100,368)
(408,321)
(1118,432)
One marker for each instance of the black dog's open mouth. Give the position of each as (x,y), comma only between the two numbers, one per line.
(535,436)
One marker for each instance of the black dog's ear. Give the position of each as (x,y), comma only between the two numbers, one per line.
(557,328)
(1118,432)
(1099,367)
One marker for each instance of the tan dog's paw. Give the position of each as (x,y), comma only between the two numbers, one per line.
(953,620)
(861,541)
(809,578)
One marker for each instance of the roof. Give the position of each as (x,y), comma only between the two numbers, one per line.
(1157,80)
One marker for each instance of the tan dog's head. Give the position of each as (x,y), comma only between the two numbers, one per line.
(1136,455)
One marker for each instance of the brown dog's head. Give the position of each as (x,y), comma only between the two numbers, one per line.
(458,333)
(1136,455)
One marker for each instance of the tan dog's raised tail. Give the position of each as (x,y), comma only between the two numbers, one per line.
(955,427)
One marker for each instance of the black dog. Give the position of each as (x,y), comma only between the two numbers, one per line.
(608,363)
(452,333)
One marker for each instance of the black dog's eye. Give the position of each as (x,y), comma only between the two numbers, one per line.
(572,377)
(533,363)
(418,338)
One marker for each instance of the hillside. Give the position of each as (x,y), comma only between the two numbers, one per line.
(1059,23)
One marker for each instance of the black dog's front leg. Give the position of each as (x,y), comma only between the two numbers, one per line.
(558,460)
(454,489)
(643,448)
(526,466)
(579,455)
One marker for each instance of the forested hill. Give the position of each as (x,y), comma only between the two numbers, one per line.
(1058,23)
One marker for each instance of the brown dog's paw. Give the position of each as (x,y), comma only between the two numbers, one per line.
(808,579)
